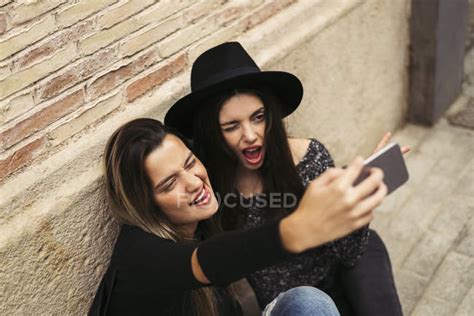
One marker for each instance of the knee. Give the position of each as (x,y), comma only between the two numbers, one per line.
(374,236)
(305,300)
(308,292)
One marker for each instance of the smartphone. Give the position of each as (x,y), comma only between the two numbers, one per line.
(390,160)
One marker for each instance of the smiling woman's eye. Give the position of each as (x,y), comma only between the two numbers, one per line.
(191,163)
(169,185)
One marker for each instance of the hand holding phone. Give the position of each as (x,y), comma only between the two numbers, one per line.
(390,160)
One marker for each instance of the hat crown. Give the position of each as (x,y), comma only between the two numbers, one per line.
(220,63)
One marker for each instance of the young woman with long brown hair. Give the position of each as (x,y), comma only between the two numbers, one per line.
(171,259)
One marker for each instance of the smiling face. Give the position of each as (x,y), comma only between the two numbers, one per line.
(180,184)
(242,122)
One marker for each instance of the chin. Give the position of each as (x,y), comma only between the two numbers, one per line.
(253,167)
(211,209)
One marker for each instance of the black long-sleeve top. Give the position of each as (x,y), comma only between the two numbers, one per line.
(150,275)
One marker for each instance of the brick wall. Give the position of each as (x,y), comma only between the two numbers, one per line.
(67,65)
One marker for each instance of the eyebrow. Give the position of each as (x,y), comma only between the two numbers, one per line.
(162,182)
(253,114)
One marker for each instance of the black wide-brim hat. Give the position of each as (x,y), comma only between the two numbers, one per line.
(224,67)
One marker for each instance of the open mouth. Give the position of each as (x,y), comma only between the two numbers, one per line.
(202,198)
(253,155)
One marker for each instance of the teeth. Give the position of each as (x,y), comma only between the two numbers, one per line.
(252,150)
(200,197)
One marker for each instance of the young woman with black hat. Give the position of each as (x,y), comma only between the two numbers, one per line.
(234,115)
(164,261)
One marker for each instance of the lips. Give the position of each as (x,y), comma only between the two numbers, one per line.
(202,198)
(253,155)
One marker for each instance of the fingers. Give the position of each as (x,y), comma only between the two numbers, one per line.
(383,142)
(387,136)
(328,176)
(351,172)
(405,149)
(371,202)
(371,183)
(364,219)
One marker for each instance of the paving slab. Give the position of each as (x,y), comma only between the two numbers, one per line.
(427,225)
(433,307)
(467,305)
(410,289)
(453,279)
(428,253)
(466,239)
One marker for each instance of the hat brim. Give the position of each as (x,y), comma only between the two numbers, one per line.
(287,87)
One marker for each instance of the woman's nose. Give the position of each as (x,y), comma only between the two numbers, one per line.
(193,182)
(249,134)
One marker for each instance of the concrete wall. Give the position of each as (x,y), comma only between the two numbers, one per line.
(355,75)
(56,232)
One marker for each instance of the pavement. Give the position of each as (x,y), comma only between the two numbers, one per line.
(428,224)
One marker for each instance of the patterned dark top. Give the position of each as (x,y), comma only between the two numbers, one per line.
(311,267)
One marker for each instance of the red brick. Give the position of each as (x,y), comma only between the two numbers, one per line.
(21,157)
(55,43)
(96,62)
(81,71)
(146,60)
(3,23)
(35,54)
(59,84)
(112,79)
(41,119)
(156,78)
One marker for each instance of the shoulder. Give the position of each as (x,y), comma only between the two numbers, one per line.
(310,148)
(298,148)
(315,161)
(318,153)
(136,234)
(133,242)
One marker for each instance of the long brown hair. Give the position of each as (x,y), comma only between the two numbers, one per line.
(130,194)
(278,172)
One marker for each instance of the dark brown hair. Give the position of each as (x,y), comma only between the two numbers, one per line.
(278,172)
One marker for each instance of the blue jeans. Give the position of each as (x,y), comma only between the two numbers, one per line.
(302,301)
